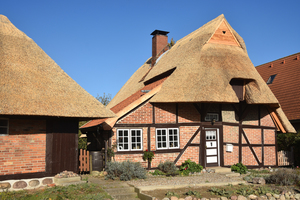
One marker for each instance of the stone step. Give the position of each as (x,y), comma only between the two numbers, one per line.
(121,196)
(220,169)
(113,191)
(232,174)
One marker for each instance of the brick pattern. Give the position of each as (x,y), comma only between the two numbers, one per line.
(188,113)
(253,135)
(191,153)
(153,138)
(258,153)
(252,116)
(266,119)
(165,113)
(231,134)
(269,155)
(231,158)
(269,136)
(248,158)
(186,132)
(142,115)
(24,149)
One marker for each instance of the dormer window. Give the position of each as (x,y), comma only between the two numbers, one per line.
(271,79)
(238,87)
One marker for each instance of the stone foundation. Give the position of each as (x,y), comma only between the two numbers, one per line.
(14,185)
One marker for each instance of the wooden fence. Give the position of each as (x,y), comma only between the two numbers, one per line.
(84,160)
(285,158)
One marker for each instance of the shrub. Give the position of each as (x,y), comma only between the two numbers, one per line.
(148,155)
(157,172)
(239,167)
(284,177)
(125,170)
(189,166)
(169,168)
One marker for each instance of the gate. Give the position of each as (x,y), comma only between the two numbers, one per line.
(84,160)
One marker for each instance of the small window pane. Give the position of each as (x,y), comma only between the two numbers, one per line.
(3,122)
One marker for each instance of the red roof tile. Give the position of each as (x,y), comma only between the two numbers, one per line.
(286,84)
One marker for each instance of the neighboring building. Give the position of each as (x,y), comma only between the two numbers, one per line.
(39,110)
(282,76)
(201,100)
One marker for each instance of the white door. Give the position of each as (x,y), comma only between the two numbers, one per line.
(211,145)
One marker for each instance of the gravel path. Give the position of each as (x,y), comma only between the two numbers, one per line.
(198,179)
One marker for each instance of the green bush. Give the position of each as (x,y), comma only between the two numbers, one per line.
(284,177)
(169,168)
(239,167)
(125,170)
(189,166)
(157,172)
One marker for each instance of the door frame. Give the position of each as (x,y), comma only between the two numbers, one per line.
(219,145)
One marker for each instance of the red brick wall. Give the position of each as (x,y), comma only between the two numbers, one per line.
(269,136)
(24,149)
(252,116)
(165,113)
(270,155)
(187,113)
(248,158)
(266,119)
(231,158)
(253,135)
(231,134)
(142,115)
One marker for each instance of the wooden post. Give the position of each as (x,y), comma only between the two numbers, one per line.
(91,164)
(106,146)
(149,165)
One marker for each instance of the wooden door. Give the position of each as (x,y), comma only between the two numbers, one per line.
(211,148)
(62,146)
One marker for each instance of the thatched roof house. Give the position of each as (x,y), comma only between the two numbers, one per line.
(39,110)
(206,80)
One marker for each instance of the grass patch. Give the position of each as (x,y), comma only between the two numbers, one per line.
(80,191)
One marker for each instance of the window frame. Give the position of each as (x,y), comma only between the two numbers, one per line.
(167,138)
(271,79)
(7,127)
(217,114)
(130,139)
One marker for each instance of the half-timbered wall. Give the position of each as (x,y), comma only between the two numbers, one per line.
(249,128)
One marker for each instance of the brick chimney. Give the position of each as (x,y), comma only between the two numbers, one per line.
(159,44)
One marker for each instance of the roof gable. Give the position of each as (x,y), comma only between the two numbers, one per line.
(223,35)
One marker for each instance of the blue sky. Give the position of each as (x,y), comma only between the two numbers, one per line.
(100,44)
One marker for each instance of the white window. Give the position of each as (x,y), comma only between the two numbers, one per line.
(211,116)
(167,138)
(129,139)
(3,126)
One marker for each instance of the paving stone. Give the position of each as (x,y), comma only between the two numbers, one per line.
(276,196)
(20,185)
(233,197)
(282,197)
(34,183)
(240,197)
(5,185)
(47,181)
(224,198)
(174,198)
(252,196)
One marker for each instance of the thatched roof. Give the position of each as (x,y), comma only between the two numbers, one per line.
(31,83)
(205,61)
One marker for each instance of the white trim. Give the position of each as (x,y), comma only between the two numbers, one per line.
(218,144)
(129,140)
(7,127)
(167,138)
